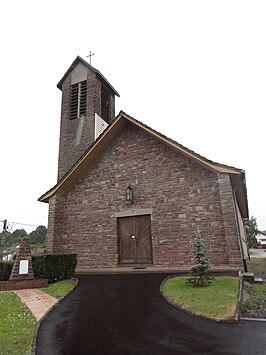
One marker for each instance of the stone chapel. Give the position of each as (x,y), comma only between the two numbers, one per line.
(129,197)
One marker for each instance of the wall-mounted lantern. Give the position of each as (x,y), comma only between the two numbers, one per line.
(129,194)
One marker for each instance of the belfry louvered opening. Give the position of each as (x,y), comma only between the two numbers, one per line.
(78,100)
(105,105)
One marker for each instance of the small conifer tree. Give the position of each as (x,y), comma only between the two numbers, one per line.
(199,273)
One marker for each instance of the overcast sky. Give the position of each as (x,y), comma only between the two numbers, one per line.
(193,70)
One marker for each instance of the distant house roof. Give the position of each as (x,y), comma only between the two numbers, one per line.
(67,181)
(261,238)
(79,59)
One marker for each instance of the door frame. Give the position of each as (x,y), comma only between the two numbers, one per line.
(134,214)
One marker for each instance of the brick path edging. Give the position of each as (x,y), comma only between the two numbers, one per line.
(22,284)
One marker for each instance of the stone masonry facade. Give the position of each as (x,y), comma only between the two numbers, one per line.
(184,197)
(24,253)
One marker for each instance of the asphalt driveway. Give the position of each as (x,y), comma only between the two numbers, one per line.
(125,314)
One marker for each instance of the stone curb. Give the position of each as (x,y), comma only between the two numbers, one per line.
(240,297)
(33,345)
(230,320)
(254,319)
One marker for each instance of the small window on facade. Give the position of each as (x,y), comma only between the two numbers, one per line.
(78,100)
(105,111)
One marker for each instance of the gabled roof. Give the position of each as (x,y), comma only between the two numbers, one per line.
(65,184)
(79,59)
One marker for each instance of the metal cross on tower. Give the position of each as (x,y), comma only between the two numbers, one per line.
(90,55)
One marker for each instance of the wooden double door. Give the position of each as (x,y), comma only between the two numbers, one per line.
(135,240)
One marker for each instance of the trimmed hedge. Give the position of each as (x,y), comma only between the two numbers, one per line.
(54,267)
(5,270)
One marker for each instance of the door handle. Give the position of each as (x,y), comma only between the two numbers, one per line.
(133,237)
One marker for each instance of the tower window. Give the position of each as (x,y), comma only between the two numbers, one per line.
(78,100)
(105,111)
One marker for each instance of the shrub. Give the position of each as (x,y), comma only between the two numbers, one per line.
(54,267)
(5,270)
(38,266)
(199,273)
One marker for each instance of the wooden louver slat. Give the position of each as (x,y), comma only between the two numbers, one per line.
(78,100)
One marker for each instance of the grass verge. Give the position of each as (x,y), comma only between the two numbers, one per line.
(257,299)
(255,305)
(217,301)
(257,266)
(17,325)
(60,289)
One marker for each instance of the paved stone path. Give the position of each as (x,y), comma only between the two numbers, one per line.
(37,301)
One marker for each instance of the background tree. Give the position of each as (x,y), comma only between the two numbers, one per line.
(199,273)
(13,239)
(251,231)
(36,237)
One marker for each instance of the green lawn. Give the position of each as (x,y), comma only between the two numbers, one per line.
(218,301)
(17,325)
(59,289)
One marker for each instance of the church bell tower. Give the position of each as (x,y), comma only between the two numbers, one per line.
(88,107)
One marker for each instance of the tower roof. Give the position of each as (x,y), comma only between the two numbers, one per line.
(96,71)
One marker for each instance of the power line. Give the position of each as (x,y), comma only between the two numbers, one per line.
(25,224)
(8,226)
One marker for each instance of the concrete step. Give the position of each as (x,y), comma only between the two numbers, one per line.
(258,280)
(249,277)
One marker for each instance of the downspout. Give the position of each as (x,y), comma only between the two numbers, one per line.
(238,228)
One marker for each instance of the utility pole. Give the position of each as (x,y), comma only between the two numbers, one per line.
(2,238)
